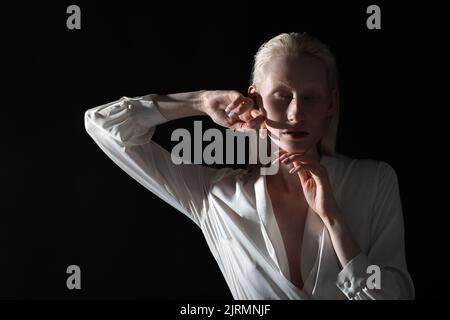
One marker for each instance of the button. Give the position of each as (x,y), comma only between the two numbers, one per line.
(347,284)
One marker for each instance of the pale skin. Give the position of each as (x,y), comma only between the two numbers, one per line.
(294,95)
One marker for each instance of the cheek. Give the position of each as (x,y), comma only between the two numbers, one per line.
(317,112)
(272,114)
(319,124)
(274,110)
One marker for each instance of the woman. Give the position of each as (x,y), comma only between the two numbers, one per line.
(323,227)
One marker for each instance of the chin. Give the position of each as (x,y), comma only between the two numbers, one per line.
(299,147)
(292,145)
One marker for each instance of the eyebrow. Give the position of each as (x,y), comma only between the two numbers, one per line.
(278,82)
(313,86)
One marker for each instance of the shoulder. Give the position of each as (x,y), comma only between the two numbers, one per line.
(362,174)
(363,186)
(368,168)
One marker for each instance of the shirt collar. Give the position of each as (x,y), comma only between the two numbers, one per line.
(312,243)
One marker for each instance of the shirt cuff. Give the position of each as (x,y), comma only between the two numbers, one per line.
(353,276)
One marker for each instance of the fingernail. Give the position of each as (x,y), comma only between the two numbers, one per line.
(232,114)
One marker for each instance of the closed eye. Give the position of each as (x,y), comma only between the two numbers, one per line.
(283,96)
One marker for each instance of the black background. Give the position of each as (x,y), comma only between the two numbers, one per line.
(64,202)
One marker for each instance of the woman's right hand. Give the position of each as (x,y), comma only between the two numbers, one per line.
(231,109)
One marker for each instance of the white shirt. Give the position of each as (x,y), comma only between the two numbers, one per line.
(233,209)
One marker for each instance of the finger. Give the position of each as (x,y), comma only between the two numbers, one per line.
(303,167)
(280,152)
(298,159)
(284,156)
(255,112)
(229,118)
(246,115)
(233,116)
(255,123)
(281,155)
(276,159)
(304,173)
(235,103)
(303,157)
(229,121)
(241,126)
(231,106)
(318,169)
(304,177)
(244,109)
(306,168)
(295,157)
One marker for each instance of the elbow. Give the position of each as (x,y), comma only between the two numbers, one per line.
(89,123)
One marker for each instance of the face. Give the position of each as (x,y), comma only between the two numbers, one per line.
(296,100)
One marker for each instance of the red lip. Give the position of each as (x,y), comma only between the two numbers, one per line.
(295,131)
(296,134)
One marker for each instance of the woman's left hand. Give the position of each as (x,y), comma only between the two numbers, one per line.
(315,183)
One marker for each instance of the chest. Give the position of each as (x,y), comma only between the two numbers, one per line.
(290,212)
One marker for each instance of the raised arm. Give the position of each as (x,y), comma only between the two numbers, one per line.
(123,130)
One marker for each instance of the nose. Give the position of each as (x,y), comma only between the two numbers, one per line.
(295,112)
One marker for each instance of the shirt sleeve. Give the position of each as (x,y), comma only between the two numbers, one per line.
(381,273)
(123,129)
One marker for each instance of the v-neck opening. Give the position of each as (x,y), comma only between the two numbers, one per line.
(312,231)
(283,245)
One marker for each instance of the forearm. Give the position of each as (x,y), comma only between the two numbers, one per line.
(180,105)
(343,242)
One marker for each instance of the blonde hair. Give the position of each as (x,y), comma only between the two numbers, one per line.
(296,44)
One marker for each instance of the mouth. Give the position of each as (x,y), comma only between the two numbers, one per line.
(295,135)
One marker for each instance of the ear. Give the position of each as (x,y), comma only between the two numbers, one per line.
(251,91)
(256,97)
(334,101)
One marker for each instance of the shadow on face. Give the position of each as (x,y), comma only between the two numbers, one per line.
(297,101)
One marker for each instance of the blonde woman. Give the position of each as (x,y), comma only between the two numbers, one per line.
(323,227)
